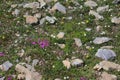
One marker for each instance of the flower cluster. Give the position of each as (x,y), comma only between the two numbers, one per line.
(41,43)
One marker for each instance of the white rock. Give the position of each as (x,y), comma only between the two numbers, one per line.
(115,20)
(100,40)
(2,78)
(78,42)
(16,12)
(105,54)
(21,53)
(107,65)
(59,7)
(37,15)
(60,35)
(35,62)
(42,3)
(32,5)
(50,19)
(42,21)
(66,63)
(106,76)
(88,29)
(31,19)
(6,66)
(90,3)
(62,46)
(102,9)
(76,62)
(97,15)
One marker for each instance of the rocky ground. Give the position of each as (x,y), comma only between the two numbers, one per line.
(59,40)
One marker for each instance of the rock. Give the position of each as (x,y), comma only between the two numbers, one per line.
(37,15)
(88,29)
(76,62)
(106,76)
(35,62)
(62,46)
(58,7)
(97,15)
(50,19)
(21,53)
(60,35)
(16,12)
(78,42)
(116,1)
(57,79)
(6,66)
(107,47)
(66,63)
(42,3)
(2,78)
(102,9)
(42,21)
(105,54)
(90,3)
(32,5)
(100,40)
(115,20)
(107,65)
(31,19)
(26,73)
(14,5)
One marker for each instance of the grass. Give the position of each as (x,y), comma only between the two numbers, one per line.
(53,56)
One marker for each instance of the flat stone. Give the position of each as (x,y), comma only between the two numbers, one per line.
(102,9)
(62,46)
(106,76)
(66,63)
(115,20)
(90,3)
(78,42)
(60,35)
(58,7)
(105,54)
(97,15)
(6,66)
(31,19)
(76,62)
(100,40)
(107,65)
(50,19)
(32,5)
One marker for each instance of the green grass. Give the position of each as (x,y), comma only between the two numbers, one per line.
(72,30)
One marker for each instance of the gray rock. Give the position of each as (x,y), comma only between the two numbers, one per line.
(78,42)
(42,21)
(6,66)
(105,54)
(102,9)
(90,3)
(115,20)
(32,5)
(76,62)
(59,7)
(100,40)
(50,19)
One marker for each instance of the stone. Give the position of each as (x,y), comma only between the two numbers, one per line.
(62,46)
(106,76)
(115,20)
(107,47)
(105,54)
(31,19)
(2,78)
(116,1)
(42,3)
(78,42)
(60,35)
(32,5)
(102,9)
(42,21)
(16,12)
(58,7)
(50,19)
(90,3)
(76,62)
(35,62)
(37,15)
(100,40)
(107,65)
(88,29)
(66,63)
(97,15)
(6,66)
(21,53)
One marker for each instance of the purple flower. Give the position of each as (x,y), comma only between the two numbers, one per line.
(83,78)
(9,78)
(2,54)
(34,43)
(43,43)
